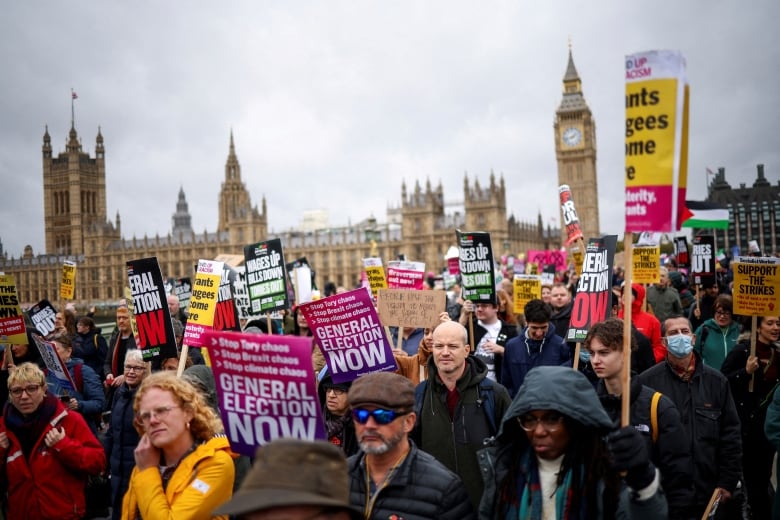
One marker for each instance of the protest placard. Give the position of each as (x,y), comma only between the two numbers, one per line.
(681,252)
(11,318)
(205,293)
(593,301)
(527,287)
(350,335)
(225,314)
(375,273)
(577,256)
(646,263)
(266,388)
(68,283)
(301,280)
(756,289)
(477,272)
(266,276)
(656,141)
(703,260)
(42,316)
(405,308)
(405,275)
(150,309)
(182,287)
(570,218)
(53,362)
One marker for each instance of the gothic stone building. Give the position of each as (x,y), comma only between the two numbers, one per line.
(78,229)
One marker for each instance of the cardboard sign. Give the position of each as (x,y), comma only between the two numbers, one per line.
(266,276)
(205,293)
(756,289)
(478,279)
(405,308)
(68,283)
(266,388)
(11,317)
(375,273)
(53,363)
(405,275)
(703,260)
(350,335)
(570,219)
(593,301)
(647,264)
(548,257)
(42,316)
(656,141)
(150,308)
(577,257)
(225,314)
(527,287)
(681,252)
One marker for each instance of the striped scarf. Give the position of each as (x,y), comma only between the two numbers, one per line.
(529,491)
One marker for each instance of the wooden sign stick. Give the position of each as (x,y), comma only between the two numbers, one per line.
(625,415)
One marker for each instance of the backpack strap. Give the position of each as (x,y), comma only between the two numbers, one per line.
(654,415)
(486,395)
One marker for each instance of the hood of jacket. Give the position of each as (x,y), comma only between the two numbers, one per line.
(476,371)
(555,388)
(714,327)
(203,377)
(639,299)
(536,343)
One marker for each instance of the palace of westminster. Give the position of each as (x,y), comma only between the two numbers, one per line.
(77,227)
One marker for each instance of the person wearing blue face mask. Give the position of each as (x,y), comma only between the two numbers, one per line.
(708,414)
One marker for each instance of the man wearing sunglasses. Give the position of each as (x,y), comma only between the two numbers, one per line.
(391,477)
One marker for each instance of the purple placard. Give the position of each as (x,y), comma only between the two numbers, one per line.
(266,388)
(347,329)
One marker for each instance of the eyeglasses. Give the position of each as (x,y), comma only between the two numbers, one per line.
(550,422)
(721,312)
(380,415)
(160,413)
(30,389)
(133,368)
(335,390)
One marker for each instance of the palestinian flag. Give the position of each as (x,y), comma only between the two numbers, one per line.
(705,215)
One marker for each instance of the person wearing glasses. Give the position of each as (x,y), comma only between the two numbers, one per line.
(717,336)
(121,438)
(551,459)
(391,477)
(46,451)
(339,428)
(183,468)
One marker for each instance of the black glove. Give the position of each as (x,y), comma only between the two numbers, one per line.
(629,454)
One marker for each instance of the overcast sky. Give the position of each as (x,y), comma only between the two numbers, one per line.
(333,104)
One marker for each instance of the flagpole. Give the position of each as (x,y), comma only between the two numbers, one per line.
(72,109)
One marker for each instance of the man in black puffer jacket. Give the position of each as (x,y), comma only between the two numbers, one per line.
(407,482)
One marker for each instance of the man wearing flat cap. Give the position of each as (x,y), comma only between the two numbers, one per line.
(391,477)
(294,479)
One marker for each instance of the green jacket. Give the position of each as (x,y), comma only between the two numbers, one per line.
(455,441)
(714,344)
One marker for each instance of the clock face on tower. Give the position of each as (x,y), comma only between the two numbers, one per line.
(571,136)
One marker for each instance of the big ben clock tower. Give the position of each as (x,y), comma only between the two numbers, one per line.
(575,151)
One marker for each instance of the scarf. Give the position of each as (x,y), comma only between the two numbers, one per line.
(335,427)
(29,430)
(529,490)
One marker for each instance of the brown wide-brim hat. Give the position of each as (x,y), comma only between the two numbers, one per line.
(292,472)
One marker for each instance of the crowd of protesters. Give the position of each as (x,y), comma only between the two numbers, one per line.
(497,425)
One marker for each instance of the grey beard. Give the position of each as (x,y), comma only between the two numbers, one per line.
(383,448)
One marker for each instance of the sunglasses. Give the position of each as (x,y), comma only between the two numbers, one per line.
(380,415)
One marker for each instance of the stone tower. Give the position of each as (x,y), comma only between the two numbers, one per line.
(575,151)
(182,220)
(244,223)
(74,194)
(485,210)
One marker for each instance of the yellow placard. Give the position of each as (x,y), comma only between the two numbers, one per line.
(11,317)
(375,273)
(68,283)
(756,289)
(577,257)
(647,264)
(131,309)
(526,288)
(205,292)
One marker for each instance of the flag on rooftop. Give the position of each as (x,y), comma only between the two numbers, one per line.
(705,215)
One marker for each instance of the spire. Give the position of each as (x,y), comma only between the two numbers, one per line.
(232,145)
(182,221)
(46,143)
(232,168)
(572,88)
(73,144)
(571,70)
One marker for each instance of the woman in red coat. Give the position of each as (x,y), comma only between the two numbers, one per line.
(46,451)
